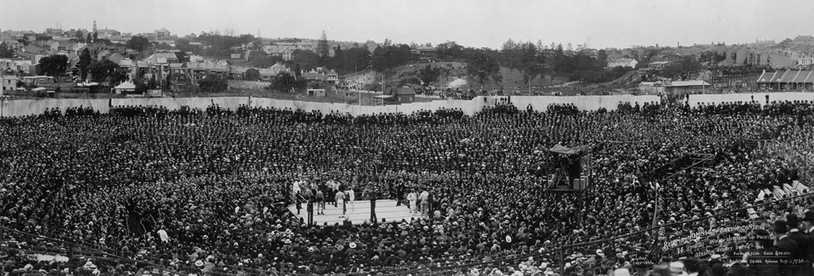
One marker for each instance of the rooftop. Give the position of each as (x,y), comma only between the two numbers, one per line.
(687,83)
(788,76)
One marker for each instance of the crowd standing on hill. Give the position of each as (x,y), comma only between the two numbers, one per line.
(205,191)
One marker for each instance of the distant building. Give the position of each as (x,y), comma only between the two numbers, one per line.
(404,94)
(316,92)
(623,62)
(109,34)
(674,87)
(16,66)
(658,65)
(686,87)
(163,34)
(425,53)
(160,58)
(805,61)
(321,74)
(38,81)
(267,74)
(8,83)
(53,31)
(285,50)
(786,80)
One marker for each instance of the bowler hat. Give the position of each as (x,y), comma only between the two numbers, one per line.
(780,227)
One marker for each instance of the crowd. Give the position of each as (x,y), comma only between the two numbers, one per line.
(205,191)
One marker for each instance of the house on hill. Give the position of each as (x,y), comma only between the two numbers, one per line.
(623,62)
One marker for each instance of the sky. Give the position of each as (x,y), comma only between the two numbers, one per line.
(476,23)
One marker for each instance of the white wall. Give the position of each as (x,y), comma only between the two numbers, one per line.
(231,103)
(609,102)
(760,98)
(14,108)
(469,107)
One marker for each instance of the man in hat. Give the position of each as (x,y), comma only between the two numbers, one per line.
(808,231)
(795,234)
(692,267)
(783,242)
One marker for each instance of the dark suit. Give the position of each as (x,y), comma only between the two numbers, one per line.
(808,246)
(786,244)
(801,240)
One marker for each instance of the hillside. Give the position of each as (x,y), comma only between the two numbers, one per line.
(450,75)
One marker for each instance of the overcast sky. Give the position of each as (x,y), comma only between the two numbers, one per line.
(487,23)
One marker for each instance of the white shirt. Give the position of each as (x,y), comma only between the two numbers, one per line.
(412,197)
(296,186)
(163,235)
(351,195)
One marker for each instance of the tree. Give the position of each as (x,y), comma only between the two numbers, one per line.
(6,51)
(305,59)
(54,65)
(389,57)
(138,43)
(283,82)
(182,56)
(213,83)
(322,46)
(483,67)
(183,45)
(429,74)
(509,45)
(252,74)
(106,71)
(449,51)
(84,62)
(531,64)
(262,60)
(350,60)
(683,67)
(602,57)
(220,45)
